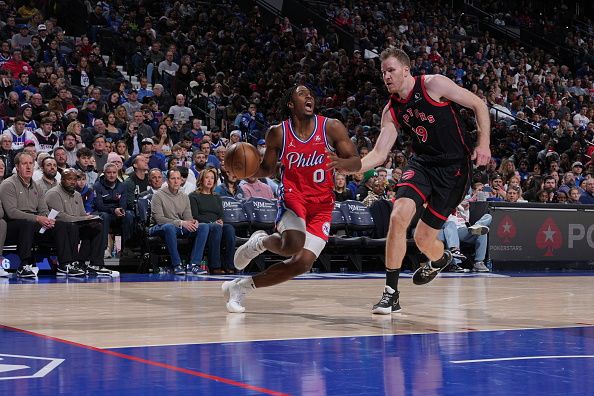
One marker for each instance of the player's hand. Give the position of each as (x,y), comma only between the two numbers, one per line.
(481,155)
(339,164)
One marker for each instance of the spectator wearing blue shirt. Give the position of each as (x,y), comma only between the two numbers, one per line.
(587,197)
(252,124)
(143,91)
(23,85)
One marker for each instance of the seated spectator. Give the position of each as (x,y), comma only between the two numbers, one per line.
(341,192)
(230,187)
(172,215)
(83,163)
(234,137)
(111,203)
(137,183)
(114,158)
(366,185)
(45,140)
(496,190)
(86,192)
(354,184)
(99,151)
(61,159)
(188,180)
(155,182)
(180,112)
(542,196)
(378,191)
(513,194)
(207,208)
(457,229)
(569,182)
(199,163)
(19,134)
(25,213)
(254,187)
(155,160)
(587,197)
(47,176)
(211,160)
(7,153)
(574,195)
(79,227)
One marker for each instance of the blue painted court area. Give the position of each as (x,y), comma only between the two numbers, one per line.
(558,361)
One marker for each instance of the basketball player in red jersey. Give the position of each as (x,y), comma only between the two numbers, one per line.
(301,144)
(437,177)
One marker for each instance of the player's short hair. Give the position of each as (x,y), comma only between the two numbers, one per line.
(397,53)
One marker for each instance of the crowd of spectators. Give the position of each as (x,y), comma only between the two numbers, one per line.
(210,75)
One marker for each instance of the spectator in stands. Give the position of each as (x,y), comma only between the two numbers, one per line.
(569,183)
(234,137)
(16,64)
(132,106)
(45,140)
(161,97)
(111,203)
(587,197)
(90,116)
(172,215)
(143,91)
(86,192)
(144,129)
(9,108)
(25,212)
(180,112)
(458,229)
(574,195)
(82,76)
(254,187)
(83,163)
(79,227)
(252,124)
(230,186)
(137,183)
(23,88)
(513,194)
(47,178)
(378,191)
(19,134)
(207,208)
(7,153)
(99,151)
(155,180)
(366,185)
(341,192)
(211,160)
(497,192)
(114,158)
(167,68)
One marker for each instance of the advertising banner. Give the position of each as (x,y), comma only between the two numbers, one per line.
(541,234)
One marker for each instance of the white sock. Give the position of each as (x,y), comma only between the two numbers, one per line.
(247,283)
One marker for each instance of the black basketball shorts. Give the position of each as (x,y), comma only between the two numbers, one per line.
(441,187)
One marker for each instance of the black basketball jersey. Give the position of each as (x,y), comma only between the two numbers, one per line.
(435,128)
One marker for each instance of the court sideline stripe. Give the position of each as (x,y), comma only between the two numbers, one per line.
(226,381)
(416,333)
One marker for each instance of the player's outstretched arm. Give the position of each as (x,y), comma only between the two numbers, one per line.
(439,86)
(384,143)
(346,159)
(274,141)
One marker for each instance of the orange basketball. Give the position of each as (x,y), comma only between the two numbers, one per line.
(242,159)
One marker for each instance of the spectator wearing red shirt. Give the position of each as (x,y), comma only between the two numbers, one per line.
(17,65)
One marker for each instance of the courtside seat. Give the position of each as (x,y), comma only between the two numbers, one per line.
(261,213)
(358,217)
(234,214)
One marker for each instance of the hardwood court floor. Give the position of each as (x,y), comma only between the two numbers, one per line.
(119,314)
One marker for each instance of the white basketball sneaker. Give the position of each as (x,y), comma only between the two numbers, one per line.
(249,250)
(234,295)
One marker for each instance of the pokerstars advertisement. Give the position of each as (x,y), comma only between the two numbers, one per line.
(542,234)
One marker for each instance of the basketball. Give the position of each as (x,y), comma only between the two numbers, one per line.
(242,159)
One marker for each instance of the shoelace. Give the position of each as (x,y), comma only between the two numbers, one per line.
(385,298)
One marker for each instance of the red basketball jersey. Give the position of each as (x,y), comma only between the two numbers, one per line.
(304,165)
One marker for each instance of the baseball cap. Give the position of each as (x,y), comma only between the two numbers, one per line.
(147,141)
(235,132)
(577,163)
(41,27)
(29,142)
(261,142)
(369,174)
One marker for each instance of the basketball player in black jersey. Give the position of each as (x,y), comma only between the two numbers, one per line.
(437,177)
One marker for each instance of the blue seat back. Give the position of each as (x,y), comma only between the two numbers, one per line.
(358,216)
(339,221)
(261,212)
(234,213)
